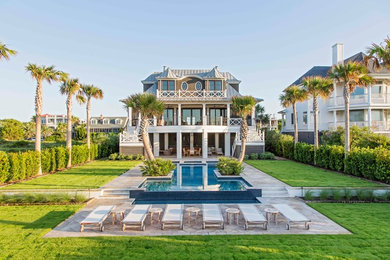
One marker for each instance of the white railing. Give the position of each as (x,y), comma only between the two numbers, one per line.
(361,99)
(380,125)
(191,95)
(380,98)
(127,137)
(234,121)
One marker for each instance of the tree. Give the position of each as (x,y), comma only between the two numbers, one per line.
(29,129)
(11,130)
(80,132)
(5,52)
(46,131)
(291,96)
(317,87)
(243,105)
(351,75)
(379,55)
(90,91)
(40,74)
(263,118)
(70,87)
(148,106)
(59,132)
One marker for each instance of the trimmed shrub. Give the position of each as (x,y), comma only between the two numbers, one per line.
(308,195)
(304,153)
(382,169)
(61,157)
(53,163)
(113,156)
(336,158)
(229,166)
(46,160)
(254,156)
(158,167)
(285,146)
(31,198)
(15,167)
(79,154)
(4,167)
(267,156)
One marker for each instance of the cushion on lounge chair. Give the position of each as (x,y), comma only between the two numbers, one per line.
(98,215)
(251,213)
(211,212)
(137,214)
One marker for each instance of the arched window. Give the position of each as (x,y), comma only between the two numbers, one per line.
(106,121)
(93,121)
(184,86)
(118,121)
(198,86)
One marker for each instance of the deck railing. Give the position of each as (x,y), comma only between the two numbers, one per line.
(191,95)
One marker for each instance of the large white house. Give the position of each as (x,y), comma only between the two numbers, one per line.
(197,120)
(368,106)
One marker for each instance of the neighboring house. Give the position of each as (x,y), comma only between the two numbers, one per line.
(197,120)
(368,106)
(111,124)
(52,120)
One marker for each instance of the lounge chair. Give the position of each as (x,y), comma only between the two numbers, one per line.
(136,217)
(96,217)
(212,216)
(292,216)
(252,216)
(219,151)
(173,216)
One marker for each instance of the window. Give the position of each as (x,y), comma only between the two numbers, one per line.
(93,121)
(292,118)
(377,115)
(168,85)
(356,116)
(118,121)
(304,117)
(358,91)
(215,85)
(217,116)
(184,86)
(106,121)
(198,86)
(168,116)
(191,116)
(376,90)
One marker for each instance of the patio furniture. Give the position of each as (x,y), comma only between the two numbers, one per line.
(173,216)
(232,213)
(209,151)
(192,152)
(186,152)
(97,217)
(155,211)
(271,213)
(167,152)
(192,210)
(212,216)
(292,216)
(252,216)
(136,217)
(199,152)
(219,151)
(116,214)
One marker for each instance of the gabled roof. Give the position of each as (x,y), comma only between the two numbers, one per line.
(214,74)
(315,71)
(167,74)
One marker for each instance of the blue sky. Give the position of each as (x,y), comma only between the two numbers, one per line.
(116,44)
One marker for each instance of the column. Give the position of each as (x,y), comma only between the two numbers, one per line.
(204,115)
(130,115)
(139,119)
(191,141)
(369,117)
(216,140)
(227,144)
(154,121)
(166,141)
(253,117)
(334,94)
(369,94)
(179,114)
(156,144)
(174,116)
(179,176)
(204,144)
(178,144)
(228,113)
(334,119)
(205,177)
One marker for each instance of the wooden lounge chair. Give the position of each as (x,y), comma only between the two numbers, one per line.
(292,216)
(219,151)
(173,216)
(212,216)
(252,216)
(136,217)
(96,217)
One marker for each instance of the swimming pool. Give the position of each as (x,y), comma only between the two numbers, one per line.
(195,177)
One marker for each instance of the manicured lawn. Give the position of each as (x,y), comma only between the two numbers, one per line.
(21,146)
(92,175)
(302,175)
(21,229)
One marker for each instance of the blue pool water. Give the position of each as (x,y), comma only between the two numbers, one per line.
(195,177)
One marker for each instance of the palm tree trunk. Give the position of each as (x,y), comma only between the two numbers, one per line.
(346,113)
(38,111)
(244,135)
(88,128)
(295,124)
(145,139)
(69,130)
(315,110)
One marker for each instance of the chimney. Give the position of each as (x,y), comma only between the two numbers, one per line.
(337,53)
(164,68)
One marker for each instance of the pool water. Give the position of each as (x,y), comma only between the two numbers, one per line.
(195,177)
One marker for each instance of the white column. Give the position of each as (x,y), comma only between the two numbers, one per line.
(156,144)
(179,176)
(204,115)
(139,119)
(130,117)
(179,114)
(228,113)
(178,144)
(334,94)
(174,116)
(205,177)
(166,141)
(334,119)
(191,141)
(216,140)
(204,144)
(154,121)
(253,116)
(369,94)
(369,117)
(227,144)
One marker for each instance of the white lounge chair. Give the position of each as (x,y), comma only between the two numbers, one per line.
(173,216)
(136,217)
(219,151)
(252,216)
(292,215)
(212,216)
(96,217)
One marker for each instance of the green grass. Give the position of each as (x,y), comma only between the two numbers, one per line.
(22,228)
(92,175)
(302,175)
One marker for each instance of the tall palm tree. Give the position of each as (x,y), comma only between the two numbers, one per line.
(148,106)
(90,91)
(317,87)
(5,52)
(70,87)
(243,106)
(379,54)
(40,74)
(351,75)
(291,96)
(263,118)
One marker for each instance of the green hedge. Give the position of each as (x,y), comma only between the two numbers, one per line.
(304,153)
(23,165)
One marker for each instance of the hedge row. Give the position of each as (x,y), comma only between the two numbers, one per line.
(22,165)
(373,164)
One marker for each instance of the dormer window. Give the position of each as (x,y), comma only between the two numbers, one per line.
(106,121)
(215,85)
(118,121)
(93,121)
(198,86)
(184,86)
(168,85)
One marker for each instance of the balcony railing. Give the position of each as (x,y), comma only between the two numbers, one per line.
(375,125)
(191,95)
(361,99)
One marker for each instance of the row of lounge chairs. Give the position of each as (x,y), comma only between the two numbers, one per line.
(173,216)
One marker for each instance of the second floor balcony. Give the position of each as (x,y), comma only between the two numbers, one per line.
(363,99)
(173,95)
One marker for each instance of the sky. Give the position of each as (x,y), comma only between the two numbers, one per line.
(116,44)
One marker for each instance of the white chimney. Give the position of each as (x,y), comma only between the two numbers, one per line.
(164,68)
(337,53)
